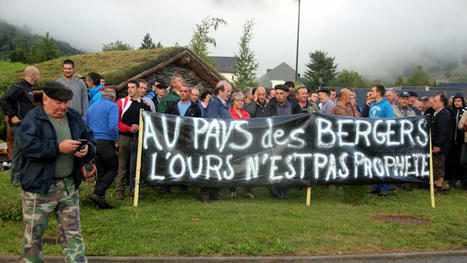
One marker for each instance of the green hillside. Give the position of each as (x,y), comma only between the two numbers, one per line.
(12,37)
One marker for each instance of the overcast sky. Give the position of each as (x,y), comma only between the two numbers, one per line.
(374,37)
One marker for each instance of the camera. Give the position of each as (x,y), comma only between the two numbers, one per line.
(83,143)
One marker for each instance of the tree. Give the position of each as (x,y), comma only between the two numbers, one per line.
(200,40)
(19,54)
(419,78)
(117,45)
(246,62)
(351,78)
(147,42)
(159,45)
(321,69)
(46,49)
(400,81)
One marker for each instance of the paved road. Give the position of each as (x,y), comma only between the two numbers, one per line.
(457,256)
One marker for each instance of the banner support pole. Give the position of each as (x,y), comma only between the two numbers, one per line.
(432,184)
(308,196)
(138,157)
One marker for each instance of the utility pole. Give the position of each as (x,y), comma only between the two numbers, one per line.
(298,37)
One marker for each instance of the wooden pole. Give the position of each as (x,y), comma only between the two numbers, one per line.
(138,157)
(432,184)
(308,196)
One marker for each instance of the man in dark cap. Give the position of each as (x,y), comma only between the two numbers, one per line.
(282,106)
(159,89)
(402,108)
(55,142)
(326,102)
(412,101)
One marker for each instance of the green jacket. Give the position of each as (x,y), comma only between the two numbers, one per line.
(167,100)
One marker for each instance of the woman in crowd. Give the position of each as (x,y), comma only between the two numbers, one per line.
(238,113)
(205,97)
(454,171)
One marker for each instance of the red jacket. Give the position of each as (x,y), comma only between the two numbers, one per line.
(235,116)
(123,104)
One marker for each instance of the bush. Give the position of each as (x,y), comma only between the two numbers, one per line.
(355,194)
(10,209)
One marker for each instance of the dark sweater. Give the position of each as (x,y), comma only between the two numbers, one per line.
(192,111)
(18,100)
(131,115)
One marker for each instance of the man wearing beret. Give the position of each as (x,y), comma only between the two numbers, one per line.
(52,156)
(325,99)
(281,105)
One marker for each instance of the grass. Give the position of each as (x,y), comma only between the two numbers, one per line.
(164,225)
(11,71)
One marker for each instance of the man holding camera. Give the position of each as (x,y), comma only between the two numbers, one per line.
(52,156)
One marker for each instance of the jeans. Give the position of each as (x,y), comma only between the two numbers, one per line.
(15,174)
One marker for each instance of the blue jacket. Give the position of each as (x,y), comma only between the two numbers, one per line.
(39,149)
(382,109)
(102,118)
(217,109)
(95,94)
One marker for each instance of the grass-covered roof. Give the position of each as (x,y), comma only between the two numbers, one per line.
(116,66)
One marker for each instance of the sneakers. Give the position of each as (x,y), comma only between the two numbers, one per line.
(445,186)
(204,197)
(406,187)
(383,193)
(249,195)
(100,202)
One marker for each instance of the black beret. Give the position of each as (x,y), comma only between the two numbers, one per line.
(57,91)
(282,87)
(161,85)
(289,84)
(325,90)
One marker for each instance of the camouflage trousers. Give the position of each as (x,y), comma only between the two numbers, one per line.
(63,200)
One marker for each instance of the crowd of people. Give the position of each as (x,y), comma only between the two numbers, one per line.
(83,120)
